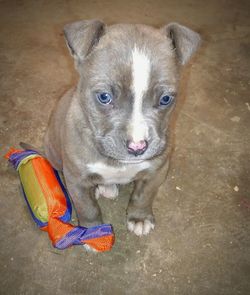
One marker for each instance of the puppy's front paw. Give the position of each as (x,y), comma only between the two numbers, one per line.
(140,227)
(89,249)
(108,191)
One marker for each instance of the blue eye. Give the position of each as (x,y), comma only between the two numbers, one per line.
(104,98)
(166,100)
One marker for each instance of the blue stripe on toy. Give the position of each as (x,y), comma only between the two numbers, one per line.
(71,238)
(37,221)
(16,158)
(67,215)
(79,234)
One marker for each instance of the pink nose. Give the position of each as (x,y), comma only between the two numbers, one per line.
(137,148)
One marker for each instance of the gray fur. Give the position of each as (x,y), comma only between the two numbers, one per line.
(185,41)
(82,130)
(82,36)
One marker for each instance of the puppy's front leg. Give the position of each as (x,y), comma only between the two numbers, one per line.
(140,217)
(86,206)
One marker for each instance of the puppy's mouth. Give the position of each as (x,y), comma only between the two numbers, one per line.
(114,148)
(131,161)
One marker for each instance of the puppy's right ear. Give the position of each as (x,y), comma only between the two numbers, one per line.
(82,36)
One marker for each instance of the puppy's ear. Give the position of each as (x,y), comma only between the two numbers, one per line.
(82,36)
(185,41)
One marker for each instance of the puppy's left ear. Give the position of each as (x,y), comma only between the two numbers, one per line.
(184,40)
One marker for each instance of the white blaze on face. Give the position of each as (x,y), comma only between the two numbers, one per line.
(138,129)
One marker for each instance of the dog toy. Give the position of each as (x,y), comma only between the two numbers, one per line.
(50,204)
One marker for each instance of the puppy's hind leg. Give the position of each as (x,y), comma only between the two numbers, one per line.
(27,146)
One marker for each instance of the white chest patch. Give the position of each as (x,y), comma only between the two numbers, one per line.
(117,175)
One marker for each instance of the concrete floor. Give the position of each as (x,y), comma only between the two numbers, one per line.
(201,244)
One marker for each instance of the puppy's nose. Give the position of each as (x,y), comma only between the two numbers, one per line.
(137,148)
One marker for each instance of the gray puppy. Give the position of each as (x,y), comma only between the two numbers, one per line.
(112,128)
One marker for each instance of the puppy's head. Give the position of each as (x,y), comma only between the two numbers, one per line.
(128,83)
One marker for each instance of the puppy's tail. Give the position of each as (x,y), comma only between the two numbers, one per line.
(27,146)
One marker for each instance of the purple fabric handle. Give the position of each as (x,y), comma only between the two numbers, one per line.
(79,234)
(16,158)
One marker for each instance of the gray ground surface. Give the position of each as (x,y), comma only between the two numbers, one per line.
(201,241)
